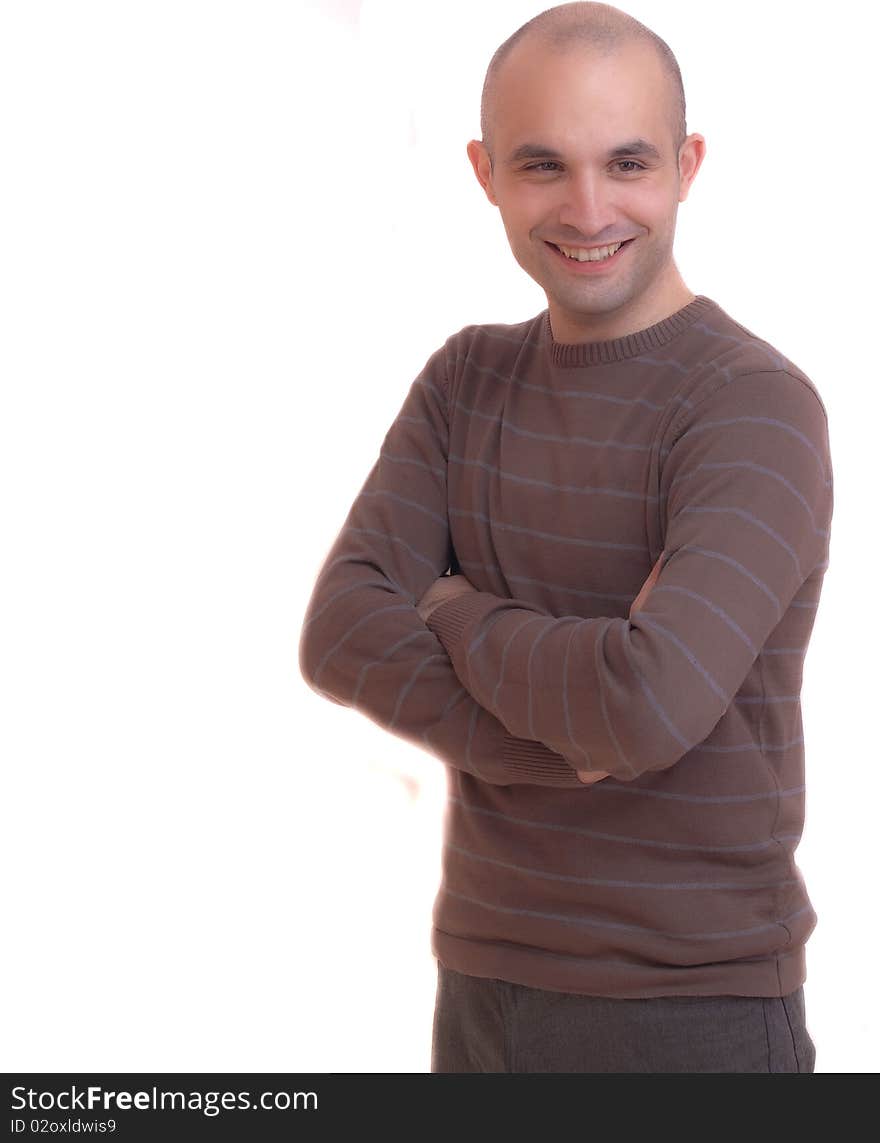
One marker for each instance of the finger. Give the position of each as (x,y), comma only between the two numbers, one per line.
(588,777)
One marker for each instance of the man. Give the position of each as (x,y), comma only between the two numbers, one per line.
(633,494)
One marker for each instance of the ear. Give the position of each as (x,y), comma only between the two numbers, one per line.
(690,156)
(482,164)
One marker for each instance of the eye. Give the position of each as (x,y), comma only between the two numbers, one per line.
(544,165)
(630,163)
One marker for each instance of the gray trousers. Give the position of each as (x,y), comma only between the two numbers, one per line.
(485,1025)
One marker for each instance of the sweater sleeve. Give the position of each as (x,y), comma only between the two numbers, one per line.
(363,643)
(747,483)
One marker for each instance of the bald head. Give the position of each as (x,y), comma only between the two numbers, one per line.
(599,27)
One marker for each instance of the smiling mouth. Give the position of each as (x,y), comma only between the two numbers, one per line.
(590,254)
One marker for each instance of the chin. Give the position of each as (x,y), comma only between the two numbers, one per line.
(598,300)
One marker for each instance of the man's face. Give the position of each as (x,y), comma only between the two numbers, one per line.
(562,184)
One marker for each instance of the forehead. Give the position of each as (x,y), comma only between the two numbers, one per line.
(565,96)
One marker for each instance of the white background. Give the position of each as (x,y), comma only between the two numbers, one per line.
(223,225)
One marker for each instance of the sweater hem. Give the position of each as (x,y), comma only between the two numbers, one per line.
(775,976)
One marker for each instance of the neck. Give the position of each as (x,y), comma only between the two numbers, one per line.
(574,328)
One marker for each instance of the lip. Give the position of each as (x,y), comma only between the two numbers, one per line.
(602,267)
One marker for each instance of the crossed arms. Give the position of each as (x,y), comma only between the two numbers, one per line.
(511,694)
(450,587)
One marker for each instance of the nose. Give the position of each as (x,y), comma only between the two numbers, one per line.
(587,204)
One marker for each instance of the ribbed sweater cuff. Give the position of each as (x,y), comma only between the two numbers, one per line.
(523,758)
(449,620)
(536,761)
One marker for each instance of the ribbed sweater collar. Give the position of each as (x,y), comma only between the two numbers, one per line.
(620,348)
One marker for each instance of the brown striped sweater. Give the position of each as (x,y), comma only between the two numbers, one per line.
(554,476)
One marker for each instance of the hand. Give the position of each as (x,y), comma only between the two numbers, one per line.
(441,591)
(588,777)
(645,591)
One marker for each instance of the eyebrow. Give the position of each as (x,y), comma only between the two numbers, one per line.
(637,147)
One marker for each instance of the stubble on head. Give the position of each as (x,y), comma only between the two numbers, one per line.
(562,97)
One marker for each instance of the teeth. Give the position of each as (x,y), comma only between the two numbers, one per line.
(595,255)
